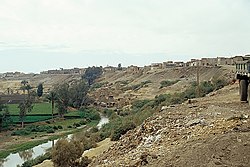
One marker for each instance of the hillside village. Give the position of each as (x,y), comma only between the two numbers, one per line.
(169,128)
(219,61)
(116,89)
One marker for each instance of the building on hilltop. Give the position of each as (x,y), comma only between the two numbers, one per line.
(168,64)
(77,71)
(224,61)
(109,69)
(156,66)
(179,64)
(193,62)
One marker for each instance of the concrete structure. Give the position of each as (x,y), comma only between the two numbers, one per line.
(193,62)
(109,69)
(236,59)
(224,61)
(168,64)
(208,62)
(179,64)
(73,71)
(134,69)
(156,66)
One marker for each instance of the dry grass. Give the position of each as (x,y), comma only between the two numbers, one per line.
(101,147)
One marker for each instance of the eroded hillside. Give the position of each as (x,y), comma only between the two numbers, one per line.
(48,81)
(211,131)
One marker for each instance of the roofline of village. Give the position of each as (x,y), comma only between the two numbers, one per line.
(219,61)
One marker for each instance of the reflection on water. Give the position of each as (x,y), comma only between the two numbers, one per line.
(104,120)
(26,155)
(14,160)
(2,161)
(17,159)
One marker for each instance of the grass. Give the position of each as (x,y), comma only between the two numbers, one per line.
(31,119)
(66,123)
(38,108)
(20,147)
(28,145)
(73,113)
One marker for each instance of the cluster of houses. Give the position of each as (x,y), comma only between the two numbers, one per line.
(11,74)
(77,71)
(212,62)
(219,61)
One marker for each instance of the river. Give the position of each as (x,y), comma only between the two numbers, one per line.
(13,160)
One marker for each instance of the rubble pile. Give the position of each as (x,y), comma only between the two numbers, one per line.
(212,131)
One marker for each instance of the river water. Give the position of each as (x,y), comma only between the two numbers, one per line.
(13,160)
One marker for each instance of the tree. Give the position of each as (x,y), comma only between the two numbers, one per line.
(52,97)
(119,66)
(63,97)
(23,87)
(5,118)
(78,94)
(40,90)
(26,105)
(67,153)
(91,74)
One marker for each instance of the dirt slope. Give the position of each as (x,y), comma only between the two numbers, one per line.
(211,131)
(48,81)
(185,75)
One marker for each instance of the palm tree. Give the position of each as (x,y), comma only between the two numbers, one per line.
(52,97)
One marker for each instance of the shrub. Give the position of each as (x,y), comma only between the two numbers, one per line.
(83,122)
(22,132)
(89,114)
(50,131)
(76,125)
(48,122)
(65,153)
(37,160)
(138,104)
(108,112)
(168,83)
(94,130)
(59,127)
(126,126)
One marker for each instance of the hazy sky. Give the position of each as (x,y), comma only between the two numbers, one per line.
(36,35)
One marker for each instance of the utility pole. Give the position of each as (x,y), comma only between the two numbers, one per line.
(198,79)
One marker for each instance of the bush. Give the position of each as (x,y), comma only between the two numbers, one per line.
(50,130)
(76,125)
(22,132)
(93,130)
(66,153)
(59,127)
(108,112)
(89,114)
(168,83)
(48,122)
(83,122)
(126,126)
(37,160)
(138,104)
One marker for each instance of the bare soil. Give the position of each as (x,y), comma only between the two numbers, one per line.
(211,131)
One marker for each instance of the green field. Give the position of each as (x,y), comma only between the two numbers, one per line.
(38,108)
(40,112)
(31,118)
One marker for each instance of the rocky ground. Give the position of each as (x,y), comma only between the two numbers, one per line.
(210,131)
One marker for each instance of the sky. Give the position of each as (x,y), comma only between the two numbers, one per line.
(37,35)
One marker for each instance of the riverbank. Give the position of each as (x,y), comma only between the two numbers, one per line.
(94,152)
